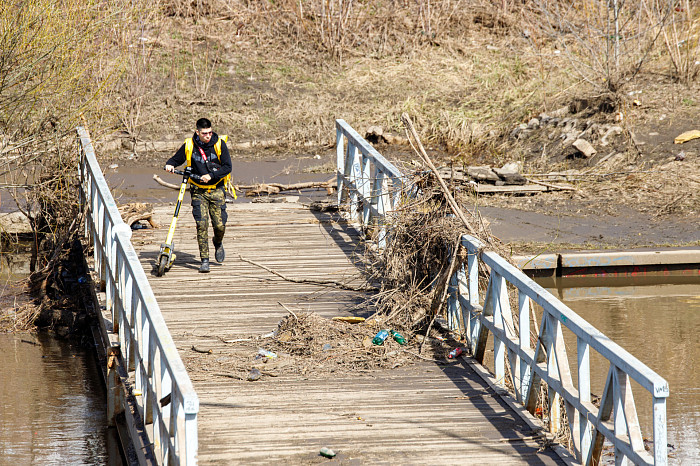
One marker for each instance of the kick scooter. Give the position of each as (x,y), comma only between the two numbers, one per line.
(166,256)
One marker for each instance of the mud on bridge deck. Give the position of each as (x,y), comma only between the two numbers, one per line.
(422,412)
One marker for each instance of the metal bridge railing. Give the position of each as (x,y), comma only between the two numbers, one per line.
(526,361)
(144,339)
(369,182)
(545,359)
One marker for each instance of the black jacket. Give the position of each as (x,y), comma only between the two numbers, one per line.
(217,167)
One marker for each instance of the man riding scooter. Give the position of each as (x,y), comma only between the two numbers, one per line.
(209,159)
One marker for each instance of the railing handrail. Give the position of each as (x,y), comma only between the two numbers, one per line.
(367,149)
(641,373)
(372,183)
(144,338)
(616,417)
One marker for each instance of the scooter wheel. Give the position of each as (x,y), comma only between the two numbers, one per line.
(162,263)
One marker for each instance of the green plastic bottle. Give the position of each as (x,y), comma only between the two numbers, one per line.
(398,337)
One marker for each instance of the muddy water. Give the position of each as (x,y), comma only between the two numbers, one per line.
(659,323)
(52,401)
(133,182)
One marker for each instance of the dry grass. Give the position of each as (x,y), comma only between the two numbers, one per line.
(467,71)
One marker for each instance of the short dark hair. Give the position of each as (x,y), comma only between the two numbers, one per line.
(203,123)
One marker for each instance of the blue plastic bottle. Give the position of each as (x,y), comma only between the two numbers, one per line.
(380,337)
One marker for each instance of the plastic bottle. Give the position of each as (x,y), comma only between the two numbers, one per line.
(398,337)
(266,354)
(380,337)
(455,352)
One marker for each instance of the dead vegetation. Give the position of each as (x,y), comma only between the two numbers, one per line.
(308,344)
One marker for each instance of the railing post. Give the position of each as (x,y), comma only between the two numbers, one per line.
(660,433)
(525,346)
(584,394)
(340,163)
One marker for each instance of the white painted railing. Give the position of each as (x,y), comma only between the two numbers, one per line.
(145,342)
(369,182)
(614,419)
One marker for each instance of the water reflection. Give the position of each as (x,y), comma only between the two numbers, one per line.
(659,323)
(52,403)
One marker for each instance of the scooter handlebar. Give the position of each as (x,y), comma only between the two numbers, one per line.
(189,175)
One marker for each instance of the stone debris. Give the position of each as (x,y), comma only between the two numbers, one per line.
(584,147)
(612,131)
(483,174)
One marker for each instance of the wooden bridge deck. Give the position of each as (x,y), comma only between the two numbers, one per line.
(424,413)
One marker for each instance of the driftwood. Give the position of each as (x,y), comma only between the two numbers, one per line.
(276,188)
(341,285)
(161,182)
(135,211)
(265,188)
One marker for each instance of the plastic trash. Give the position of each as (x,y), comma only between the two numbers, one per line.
(455,352)
(380,337)
(327,452)
(398,337)
(327,347)
(687,136)
(254,375)
(266,354)
(350,319)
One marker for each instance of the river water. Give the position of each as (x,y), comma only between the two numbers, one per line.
(52,402)
(658,321)
(52,399)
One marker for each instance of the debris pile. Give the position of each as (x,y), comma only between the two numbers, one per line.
(308,344)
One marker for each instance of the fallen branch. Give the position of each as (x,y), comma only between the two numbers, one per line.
(161,182)
(264,188)
(135,211)
(443,295)
(341,285)
(288,310)
(203,351)
(229,375)
(446,191)
(276,188)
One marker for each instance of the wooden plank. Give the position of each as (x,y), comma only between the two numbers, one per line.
(420,413)
(482,188)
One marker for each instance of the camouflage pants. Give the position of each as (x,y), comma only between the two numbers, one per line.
(207,204)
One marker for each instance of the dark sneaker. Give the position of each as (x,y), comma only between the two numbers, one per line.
(204,268)
(220,254)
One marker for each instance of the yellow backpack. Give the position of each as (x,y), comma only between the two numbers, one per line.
(228,185)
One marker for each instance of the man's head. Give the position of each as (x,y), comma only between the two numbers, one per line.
(204,130)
